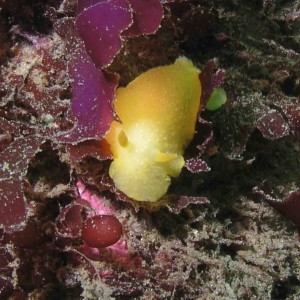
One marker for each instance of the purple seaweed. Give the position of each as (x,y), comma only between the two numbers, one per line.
(93,93)
(146,17)
(100,26)
(94,43)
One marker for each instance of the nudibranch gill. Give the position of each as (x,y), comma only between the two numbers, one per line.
(158,112)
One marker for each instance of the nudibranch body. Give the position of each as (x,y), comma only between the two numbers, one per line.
(158,112)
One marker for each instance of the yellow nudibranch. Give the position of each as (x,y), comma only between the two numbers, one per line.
(158,112)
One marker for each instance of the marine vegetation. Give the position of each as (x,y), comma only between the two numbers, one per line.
(149,149)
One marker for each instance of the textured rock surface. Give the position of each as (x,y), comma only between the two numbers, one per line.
(235,247)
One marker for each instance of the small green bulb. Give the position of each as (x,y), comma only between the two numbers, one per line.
(217,99)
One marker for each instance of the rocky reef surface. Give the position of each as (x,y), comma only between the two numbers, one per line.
(228,227)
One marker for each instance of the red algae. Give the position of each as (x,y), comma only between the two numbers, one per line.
(288,206)
(100,26)
(55,107)
(147,16)
(273,125)
(101,231)
(92,91)
(29,237)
